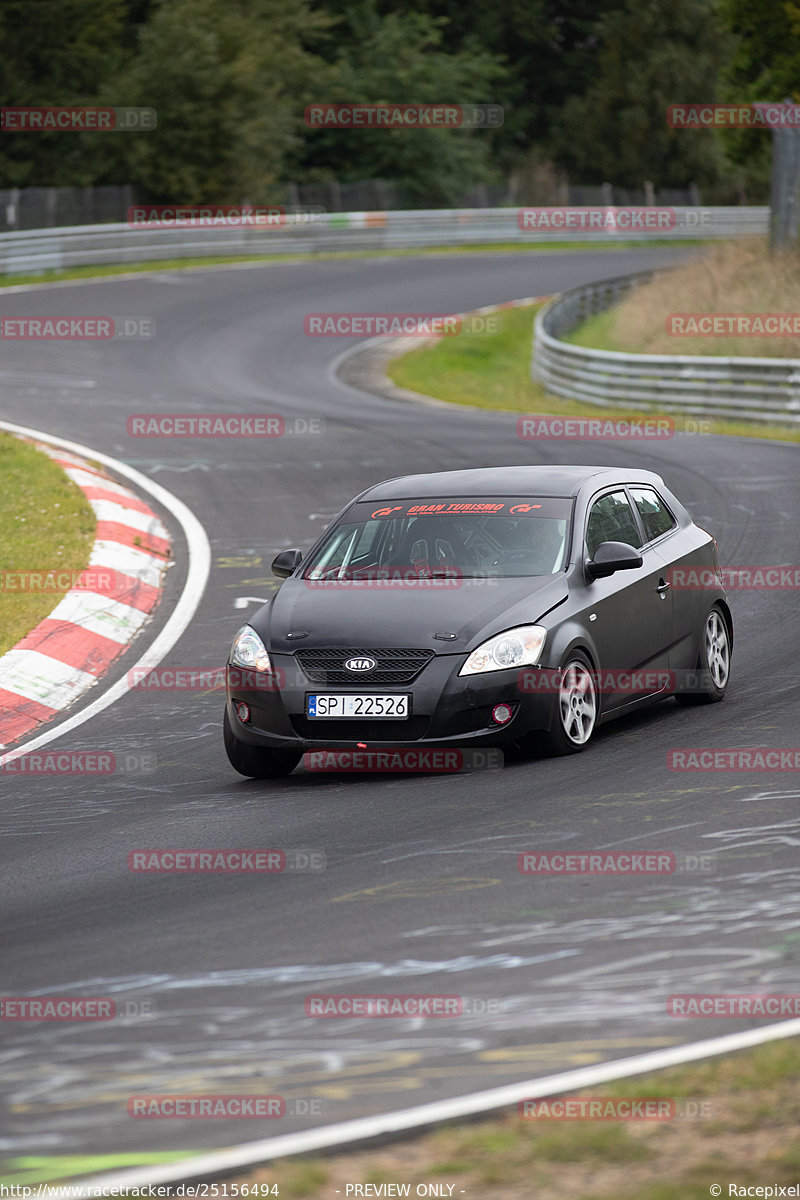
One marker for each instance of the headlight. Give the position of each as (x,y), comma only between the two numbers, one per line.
(249,651)
(520,647)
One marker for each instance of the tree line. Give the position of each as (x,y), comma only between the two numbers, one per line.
(584,85)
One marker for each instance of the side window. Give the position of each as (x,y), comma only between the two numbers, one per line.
(611,520)
(656,517)
(349,543)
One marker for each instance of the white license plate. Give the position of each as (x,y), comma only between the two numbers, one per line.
(333,704)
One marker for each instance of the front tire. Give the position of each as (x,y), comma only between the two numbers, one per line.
(253,761)
(577,711)
(713,664)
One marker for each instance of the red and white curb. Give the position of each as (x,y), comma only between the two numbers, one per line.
(67,652)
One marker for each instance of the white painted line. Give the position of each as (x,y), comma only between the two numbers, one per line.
(120,514)
(208,1166)
(128,560)
(196,578)
(81,464)
(88,479)
(39,677)
(97,614)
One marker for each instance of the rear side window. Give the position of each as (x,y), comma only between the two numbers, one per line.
(611,519)
(656,517)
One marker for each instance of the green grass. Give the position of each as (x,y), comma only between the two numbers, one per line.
(482,370)
(597,333)
(46,524)
(265,260)
(41,1168)
(492,371)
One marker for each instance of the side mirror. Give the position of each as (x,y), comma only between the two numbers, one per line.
(286,563)
(610,557)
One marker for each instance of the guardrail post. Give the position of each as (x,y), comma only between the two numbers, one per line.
(784,183)
(12,208)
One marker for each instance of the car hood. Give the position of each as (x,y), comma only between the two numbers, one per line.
(403,613)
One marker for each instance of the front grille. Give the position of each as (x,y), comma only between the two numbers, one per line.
(395,665)
(360,731)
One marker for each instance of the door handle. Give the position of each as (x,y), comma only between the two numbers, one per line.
(663,587)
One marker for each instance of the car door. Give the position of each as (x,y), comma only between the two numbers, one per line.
(630,614)
(692,563)
(679,550)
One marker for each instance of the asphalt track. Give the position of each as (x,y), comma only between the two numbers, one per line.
(421,891)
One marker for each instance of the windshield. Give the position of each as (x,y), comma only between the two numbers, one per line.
(428,539)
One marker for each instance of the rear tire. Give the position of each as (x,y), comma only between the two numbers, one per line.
(713,665)
(577,711)
(253,761)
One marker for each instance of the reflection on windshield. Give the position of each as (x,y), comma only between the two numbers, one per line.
(433,547)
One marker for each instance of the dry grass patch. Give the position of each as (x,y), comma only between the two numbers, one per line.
(734,277)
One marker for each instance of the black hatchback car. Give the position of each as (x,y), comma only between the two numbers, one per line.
(477,608)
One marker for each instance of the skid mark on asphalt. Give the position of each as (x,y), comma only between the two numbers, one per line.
(245,1042)
(357,1074)
(412,889)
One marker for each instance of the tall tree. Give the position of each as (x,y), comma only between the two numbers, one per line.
(55,52)
(548,48)
(229,82)
(766,62)
(404,59)
(652,54)
(765,66)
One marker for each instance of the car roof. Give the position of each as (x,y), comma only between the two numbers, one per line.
(506,481)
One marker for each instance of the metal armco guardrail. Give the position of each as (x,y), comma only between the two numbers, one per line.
(303,232)
(755,389)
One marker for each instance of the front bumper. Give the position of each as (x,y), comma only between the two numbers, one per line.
(446,709)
